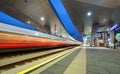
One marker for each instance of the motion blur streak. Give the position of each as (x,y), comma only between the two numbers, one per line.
(8,40)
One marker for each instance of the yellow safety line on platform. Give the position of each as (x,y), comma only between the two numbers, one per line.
(78,65)
(42,63)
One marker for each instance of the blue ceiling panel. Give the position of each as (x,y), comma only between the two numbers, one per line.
(65,19)
(12,21)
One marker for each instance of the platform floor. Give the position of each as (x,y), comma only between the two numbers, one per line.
(79,60)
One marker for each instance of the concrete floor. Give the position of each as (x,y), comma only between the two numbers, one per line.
(102,61)
(83,60)
(92,61)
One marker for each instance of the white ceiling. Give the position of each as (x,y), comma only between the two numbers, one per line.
(103,3)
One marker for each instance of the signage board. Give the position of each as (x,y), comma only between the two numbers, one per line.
(114,26)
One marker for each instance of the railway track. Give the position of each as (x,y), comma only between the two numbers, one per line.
(12,60)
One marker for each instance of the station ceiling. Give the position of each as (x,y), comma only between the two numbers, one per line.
(103,3)
(31,12)
(101,12)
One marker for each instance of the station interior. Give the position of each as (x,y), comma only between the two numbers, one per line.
(59,36)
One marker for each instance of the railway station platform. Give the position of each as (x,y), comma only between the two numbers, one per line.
(78,60)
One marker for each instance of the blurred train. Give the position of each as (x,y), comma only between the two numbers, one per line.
(13,36)
(16,37)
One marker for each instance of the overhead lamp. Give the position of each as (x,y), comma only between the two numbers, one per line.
(28,22)
(42,18)
(89,14)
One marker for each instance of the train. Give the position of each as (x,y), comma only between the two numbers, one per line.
(14,37)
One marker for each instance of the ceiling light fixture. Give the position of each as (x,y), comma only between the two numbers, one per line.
(89,13)
(42,18)
(28,22)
